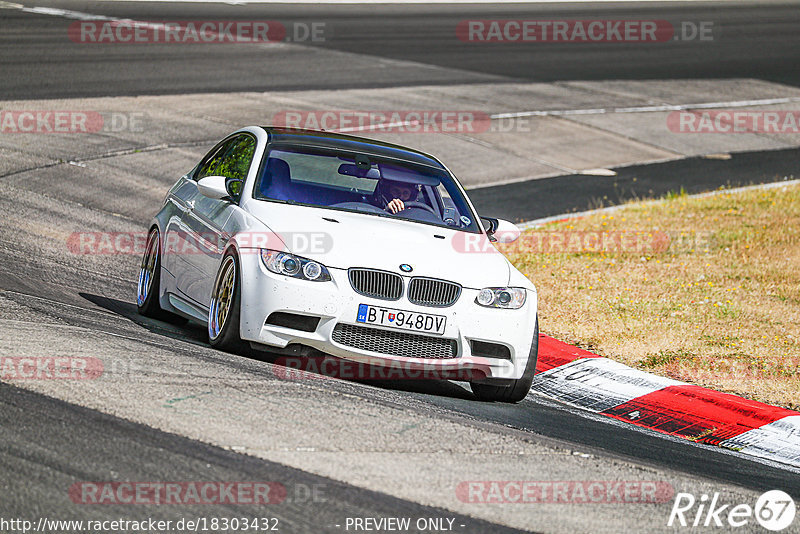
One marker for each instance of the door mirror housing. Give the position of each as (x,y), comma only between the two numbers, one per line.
(219,187)
(500,230)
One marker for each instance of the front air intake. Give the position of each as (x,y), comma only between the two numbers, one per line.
(395,343)
(304,323)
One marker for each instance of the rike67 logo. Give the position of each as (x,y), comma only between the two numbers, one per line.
(774,510)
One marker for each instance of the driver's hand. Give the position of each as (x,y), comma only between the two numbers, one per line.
(395,205)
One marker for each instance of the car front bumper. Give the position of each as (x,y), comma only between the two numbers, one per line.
(336,303)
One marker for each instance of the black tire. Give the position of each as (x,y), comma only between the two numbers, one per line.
(225,336)
(517,389)
(147,288)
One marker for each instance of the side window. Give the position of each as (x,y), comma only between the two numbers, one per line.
(236,159)
(231,160)
(211,163)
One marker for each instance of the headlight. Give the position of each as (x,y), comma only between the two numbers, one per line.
(294,266)
(510,298)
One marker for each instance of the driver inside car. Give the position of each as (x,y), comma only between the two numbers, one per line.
(394,195)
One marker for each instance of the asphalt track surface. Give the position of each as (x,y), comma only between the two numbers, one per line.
(46,443)
(370,46)
(546,197)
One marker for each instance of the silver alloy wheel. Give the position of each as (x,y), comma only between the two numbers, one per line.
(148,269)
(222,298)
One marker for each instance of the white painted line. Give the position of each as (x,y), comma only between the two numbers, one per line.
(647,109)
(67,13)
(598,172)
(598,383)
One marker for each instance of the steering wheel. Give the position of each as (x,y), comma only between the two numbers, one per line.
(419,205)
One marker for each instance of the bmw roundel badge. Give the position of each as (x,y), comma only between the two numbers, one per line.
(406,268)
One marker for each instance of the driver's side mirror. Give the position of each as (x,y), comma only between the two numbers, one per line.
(500,231)
(220,187)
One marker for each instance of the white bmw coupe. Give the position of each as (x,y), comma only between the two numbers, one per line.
(300,242)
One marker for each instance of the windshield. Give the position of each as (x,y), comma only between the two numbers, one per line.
(367,184)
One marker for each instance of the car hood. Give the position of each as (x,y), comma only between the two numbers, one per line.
(341,239)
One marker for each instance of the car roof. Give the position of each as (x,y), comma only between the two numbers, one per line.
(297,136)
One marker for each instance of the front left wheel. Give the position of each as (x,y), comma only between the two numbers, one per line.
(225,308)
(518,389)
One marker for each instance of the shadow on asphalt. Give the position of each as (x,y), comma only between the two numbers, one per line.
(173,326)
(316,366)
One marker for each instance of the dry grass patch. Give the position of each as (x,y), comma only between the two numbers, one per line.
(705,290)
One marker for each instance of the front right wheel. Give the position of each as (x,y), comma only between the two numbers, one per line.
(517,389)
(225,308)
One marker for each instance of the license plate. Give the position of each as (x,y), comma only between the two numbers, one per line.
(400,319)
